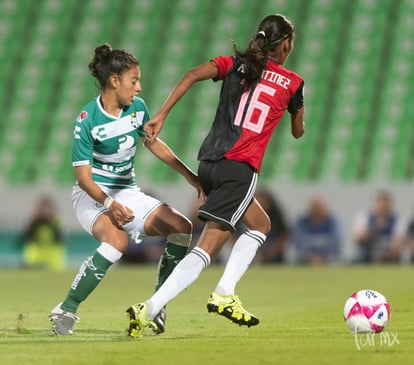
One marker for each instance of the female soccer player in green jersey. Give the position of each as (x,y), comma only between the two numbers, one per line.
(106,199)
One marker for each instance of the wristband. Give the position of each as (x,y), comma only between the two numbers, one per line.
(108,201)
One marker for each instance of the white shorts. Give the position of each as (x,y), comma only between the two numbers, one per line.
(87,210)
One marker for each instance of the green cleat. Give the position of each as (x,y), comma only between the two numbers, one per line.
(231,307)
(137,316)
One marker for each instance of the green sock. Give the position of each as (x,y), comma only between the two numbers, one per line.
(171,256)
(91,272)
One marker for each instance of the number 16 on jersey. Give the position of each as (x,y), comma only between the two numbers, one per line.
(245,111)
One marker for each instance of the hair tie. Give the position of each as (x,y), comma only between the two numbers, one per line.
(262,33)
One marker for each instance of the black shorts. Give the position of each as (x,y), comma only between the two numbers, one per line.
(230,187)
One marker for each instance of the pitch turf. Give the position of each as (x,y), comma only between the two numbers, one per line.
(300,311)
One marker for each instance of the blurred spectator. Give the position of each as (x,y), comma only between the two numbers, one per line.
(149,251)
(43,238)
(380,233)
(273,250)
(316,235)
(410,237)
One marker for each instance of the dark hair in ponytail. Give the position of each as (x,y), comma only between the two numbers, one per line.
(272,31)
(108,61)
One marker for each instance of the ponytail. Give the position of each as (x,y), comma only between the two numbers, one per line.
(272,31)
(254,60)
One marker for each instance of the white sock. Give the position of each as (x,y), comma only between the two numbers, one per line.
(241,256)
(109,252)
(184,274)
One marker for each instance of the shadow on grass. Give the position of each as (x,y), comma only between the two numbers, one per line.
(41,335)
(18,335)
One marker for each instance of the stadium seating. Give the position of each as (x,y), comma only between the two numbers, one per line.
(392,145)
(355,57)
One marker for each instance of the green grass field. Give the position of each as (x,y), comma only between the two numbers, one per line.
(300,311)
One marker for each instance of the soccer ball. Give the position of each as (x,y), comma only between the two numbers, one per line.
(367,311)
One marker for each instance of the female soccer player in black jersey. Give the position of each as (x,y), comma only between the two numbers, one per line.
(256,91)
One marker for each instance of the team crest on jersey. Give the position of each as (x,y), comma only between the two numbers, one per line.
(82,116)
(134,120)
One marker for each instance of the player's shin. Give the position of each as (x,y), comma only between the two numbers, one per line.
(242,255)
(185,273)
(91,272)
(175,250)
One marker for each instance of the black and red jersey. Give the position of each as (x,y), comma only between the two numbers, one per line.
(244,122)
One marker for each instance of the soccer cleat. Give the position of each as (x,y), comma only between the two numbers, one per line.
(160,319)
(62,321)
(231,307)
(137,316)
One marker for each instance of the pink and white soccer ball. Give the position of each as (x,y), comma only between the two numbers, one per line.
(367,311)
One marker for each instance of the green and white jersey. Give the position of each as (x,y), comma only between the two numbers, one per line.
(109,143)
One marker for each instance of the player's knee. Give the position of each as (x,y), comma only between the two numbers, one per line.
(180,239)
(182,225)
(264,225)
(174,222)
(109,233)
(119,243)
(268,226)
(180,232)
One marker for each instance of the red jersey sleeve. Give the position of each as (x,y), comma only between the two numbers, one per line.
(224,64)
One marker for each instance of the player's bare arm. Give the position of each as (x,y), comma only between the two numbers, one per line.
(297,123)
(166,155)
(119,212)
(205,71)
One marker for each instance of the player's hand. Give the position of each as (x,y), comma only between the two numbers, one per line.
(153,128)
(121,214)
(195,182)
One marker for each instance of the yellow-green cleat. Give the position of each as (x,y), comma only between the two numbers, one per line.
(231,307)
(137,317)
